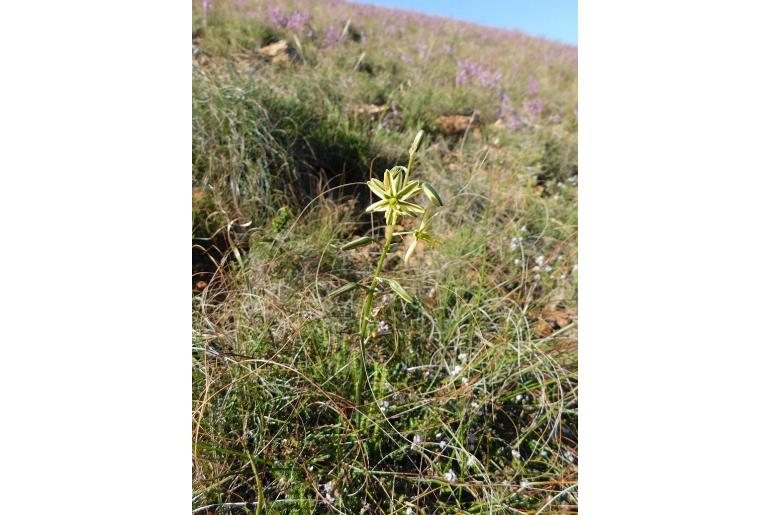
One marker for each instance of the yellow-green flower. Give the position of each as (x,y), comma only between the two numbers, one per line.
(394,192)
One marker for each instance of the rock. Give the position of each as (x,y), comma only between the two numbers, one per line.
(455,123)
(278,52)
(371,109)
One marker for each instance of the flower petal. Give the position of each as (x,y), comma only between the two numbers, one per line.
(409,207)
(380,205)
(386,181)
(391,216)
(409,190)
(377,189)
(410,249)
(397,178)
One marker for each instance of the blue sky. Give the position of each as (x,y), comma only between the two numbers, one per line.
(553,19)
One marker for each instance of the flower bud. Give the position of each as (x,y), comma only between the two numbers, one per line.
(431,194)
(417,142)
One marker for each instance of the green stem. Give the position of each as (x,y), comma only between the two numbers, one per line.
(409,168)
(367,310)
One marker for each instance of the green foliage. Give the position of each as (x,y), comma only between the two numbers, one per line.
(281,219)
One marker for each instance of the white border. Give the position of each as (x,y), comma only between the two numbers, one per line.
(674,169)
(95,132)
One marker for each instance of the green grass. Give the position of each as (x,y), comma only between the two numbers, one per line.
(277,153)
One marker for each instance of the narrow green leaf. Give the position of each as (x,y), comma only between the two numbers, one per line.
(398,289)
(342,289)
(358,242)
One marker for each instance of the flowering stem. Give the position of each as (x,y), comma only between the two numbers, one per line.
(367,310)
(409,167)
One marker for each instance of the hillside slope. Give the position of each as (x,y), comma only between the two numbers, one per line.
(471,404)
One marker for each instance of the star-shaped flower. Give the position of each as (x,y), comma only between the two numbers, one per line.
(394,192)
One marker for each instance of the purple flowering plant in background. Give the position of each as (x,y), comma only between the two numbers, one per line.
(332,36)
(296,20)
(469,71)
(534,107)
(205,6)
(508,113)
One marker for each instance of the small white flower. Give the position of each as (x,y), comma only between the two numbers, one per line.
(450,476)
(442,444)
(548,268)
(524,484)
(506,483)
(517,261)
(462,357)
(537,277)
(516,454)
(524,228)
(456,370)
(465,380)
(519,397)
(540,260)
(409,511)
(475,405)
(383,328)
(416,441)
(384,405)
(563,276)
(568,455)
(329,487)
(438,435)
